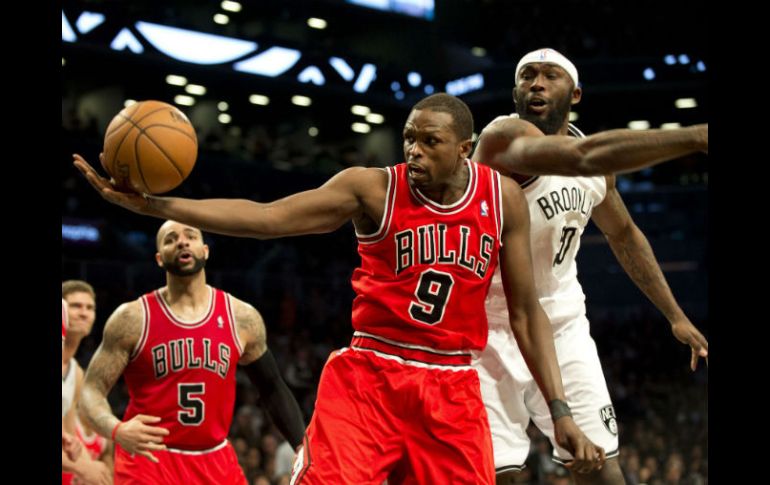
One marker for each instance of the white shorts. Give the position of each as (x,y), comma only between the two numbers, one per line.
(512,397)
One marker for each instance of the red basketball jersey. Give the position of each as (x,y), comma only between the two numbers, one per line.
(94,445)
(184,372)
(64,319)
(425,273)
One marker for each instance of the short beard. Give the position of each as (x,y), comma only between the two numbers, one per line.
(554,120)
(176,269)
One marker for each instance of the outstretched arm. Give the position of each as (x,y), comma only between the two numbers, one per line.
(311,212)
(263,372)
(634,253)
(532,328)
(604,153)
(121,333)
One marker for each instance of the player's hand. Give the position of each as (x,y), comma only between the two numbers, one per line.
(108,189)
(137,436)
(587,456)
(71,446)
(685,332)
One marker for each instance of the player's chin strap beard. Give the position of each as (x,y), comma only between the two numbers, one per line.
(175,269)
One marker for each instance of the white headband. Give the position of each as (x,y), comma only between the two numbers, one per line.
(550,56)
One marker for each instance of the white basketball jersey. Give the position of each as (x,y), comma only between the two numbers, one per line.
(68,387)
(559,209)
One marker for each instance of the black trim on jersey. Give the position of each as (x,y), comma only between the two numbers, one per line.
(510,468)
(609,454)
(380,351)
(529,181)
(426,350)
(306,452)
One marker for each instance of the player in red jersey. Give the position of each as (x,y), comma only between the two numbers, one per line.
(98,448)
(402,402)
(81,315)
(64,323)
(177,348)
(70,446)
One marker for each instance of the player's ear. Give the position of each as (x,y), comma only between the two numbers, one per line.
(158,260)
(206,252)
(577,95)
(465,149)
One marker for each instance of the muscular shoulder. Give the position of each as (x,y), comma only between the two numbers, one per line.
(251,330)
(124,327)
(362,179)
(497,137)
(511,127)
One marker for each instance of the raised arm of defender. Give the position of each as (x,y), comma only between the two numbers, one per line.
(525,150)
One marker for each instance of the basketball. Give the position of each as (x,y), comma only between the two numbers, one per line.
(149,147)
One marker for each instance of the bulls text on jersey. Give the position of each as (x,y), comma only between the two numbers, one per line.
(432,247)
(180,354)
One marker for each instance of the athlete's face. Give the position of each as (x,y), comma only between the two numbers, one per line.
(544,96)
(81,311)
(181,250)
(432,150)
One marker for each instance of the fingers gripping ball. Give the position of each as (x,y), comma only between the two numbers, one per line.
(149,147)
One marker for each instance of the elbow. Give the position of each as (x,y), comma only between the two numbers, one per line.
(585,165)
(519,321)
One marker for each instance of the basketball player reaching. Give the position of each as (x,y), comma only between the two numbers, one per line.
(402,402)
(81,309)
(559,209)
(177,348)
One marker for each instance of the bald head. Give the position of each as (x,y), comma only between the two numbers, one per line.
(172,227)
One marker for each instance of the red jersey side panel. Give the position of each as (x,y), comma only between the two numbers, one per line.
(425,274)
(64,319)
(184,372)
(94,445)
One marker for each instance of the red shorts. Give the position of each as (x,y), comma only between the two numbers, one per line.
(396,414)
(220,466)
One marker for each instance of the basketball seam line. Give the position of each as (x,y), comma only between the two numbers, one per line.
(171,160)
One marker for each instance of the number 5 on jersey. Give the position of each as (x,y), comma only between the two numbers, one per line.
(190,400)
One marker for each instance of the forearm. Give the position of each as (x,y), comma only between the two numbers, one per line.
(277,398)
(618,151)
(231,217)
(535,341)
(635,255)
(96,410)
(613,151)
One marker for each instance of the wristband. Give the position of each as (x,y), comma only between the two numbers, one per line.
(558,409)
(115,429)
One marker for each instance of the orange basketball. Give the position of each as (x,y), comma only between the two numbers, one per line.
(150,147)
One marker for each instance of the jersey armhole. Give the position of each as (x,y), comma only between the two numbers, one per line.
(145,330)
(387,211)
(497,195)
(233,326)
